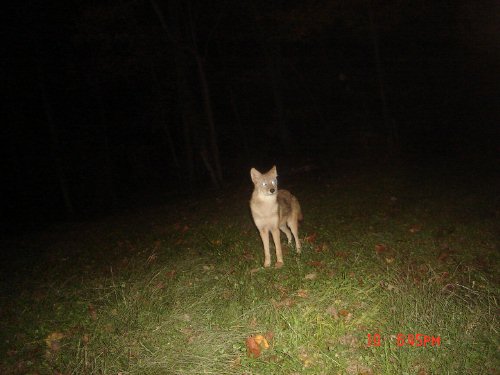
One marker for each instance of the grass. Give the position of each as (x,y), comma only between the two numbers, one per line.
(178,289)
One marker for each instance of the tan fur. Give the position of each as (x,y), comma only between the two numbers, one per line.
(272,210)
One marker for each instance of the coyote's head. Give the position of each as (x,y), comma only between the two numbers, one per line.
(265,183)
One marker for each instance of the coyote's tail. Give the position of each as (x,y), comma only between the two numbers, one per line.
(300,217)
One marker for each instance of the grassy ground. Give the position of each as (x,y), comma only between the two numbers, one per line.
(180,289)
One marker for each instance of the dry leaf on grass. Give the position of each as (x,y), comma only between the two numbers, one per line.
(303,293)
(306,358)
(85,339)
(316,264)
(53,341)
(262,341)
(311,276)
(92,312)
(415,228)
(248,256)
(321,248)
(358,369)
(348,340)
(311,238)
(160,285)
(380,248)
(170,274)
(345,314)
(443,256)
(285,302)
(332,311)
(255,345)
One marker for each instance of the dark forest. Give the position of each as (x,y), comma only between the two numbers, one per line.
(110,104)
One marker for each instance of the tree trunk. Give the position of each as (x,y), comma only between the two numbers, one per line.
(187,99)
(275,77)
(62,180)
(390,126)
(237,119)
(108,165)
(207,105)
(273,60)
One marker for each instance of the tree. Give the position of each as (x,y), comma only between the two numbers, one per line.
(182,33)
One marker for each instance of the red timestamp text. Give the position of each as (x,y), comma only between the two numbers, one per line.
(417,339)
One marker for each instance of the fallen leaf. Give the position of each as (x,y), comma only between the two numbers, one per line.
(160,285)
(305,358)
(316,264)
(286,302)
(52,340)
(380,248)
(389,260)
(331,310)
(311,238)
(92,312)
(311,276)
(253,348)
(415,228)
(443,256)
(321,248)
(227,294)
(391,287)
(444,275)
(448,288)
(170,274)
(341,254)
(303,293)
(344,312)
(254,270)
(261,341)
(358,369)
(348,340)
(248,256)
(236,362)
(85,339)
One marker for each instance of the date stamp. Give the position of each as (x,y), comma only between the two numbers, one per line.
(410,339)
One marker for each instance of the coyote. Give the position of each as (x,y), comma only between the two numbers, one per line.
(273,210)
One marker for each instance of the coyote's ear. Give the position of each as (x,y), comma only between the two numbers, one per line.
(255,175)
(273,171)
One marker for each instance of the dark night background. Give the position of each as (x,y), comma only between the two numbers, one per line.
(113,104)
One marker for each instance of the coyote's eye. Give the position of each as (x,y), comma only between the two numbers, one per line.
(264,184)
(274,182)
